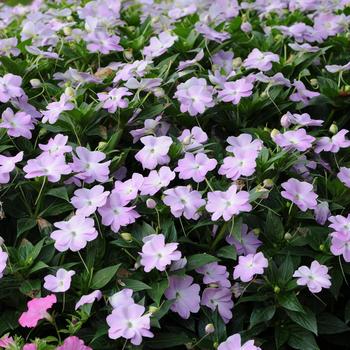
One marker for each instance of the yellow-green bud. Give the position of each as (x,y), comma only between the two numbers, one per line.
(333,128)
(35,83)
(287,236)
(314,83)
(274,133)
(67,31)
(69,91)
(322,247)
(152,309)
(256,231)
(237,62)
(268,183)
(277,289)
(209,328)
(126,236)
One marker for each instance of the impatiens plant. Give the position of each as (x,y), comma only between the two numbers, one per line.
(174,174)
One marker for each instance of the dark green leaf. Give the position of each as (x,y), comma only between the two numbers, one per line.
(198,260)
(102,277)
(306,320)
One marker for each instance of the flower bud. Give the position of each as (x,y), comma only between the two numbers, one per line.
(277,290)
(126,236)
(158,92)
(237,62)
(69,91)
(268,183)
(152,309)
(151,203)
(216,345)
(43,224)
(314,83)
(187,140)
(322,247)
(35,83)
(333,128)
(347,88)
(209,328)
(67,31)
(287,236)
(128,54)
(256,231)
(274,133)
(246,27)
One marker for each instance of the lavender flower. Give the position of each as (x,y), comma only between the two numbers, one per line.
(302,94)
(18,124)
(243,163)
(159,45)
(344,176)
(210,33)
(10,87)
(114,99)
(234,91)
(156,180)
(8,164)
(250,265)
(234,343)
(333,144)
(193,139)
(88,299)
(56,146)
(248,244)
(55,109)
(214,273)
(322,212)
(294,140)
(59,283)
(260,60)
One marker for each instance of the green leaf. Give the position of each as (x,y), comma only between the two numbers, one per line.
(227,252)
(262,314)
(102,277)
(330,324)
(24,225)
(347,312)
(135,285)
(198,260)
(158,290)
(290,302)
(307,320)
(301,339)
(168,340)
(59,192)
(236,230)
(274,229)
(285,271)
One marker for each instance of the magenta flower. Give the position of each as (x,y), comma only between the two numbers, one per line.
(260,60)
(343,175)
(183,201)
(234,91)
(185,295)
(114,99)
(244,142)
(46,165)
(74,233)
(116,214)
(37,310)
(193,139)
(158,254)
(295,140)
(227,204)
(73,343)
(10,87)
(340,244)
(333,144)
(6,342)
(128,189)
(17,124)
(195,96)
(7,164)
(59,283)
(250,265)
(55,109)
(234,343)
(195,166)
(156,180)
(88,165)
(220,298)
(122,298)
(88,299)
(315,278)
(86,201)
(242,164)
(300,193)
(302,94)
(249,242)
(29,347)
(214,273)
(130,323)
(56,146)
(154,152)
(159,45)
(3,260)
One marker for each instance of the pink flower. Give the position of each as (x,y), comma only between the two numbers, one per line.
(158,254)
(74,233)
(56,146)
(73,343)
(3,260)
(315,278)
(242,164)
(195,166)
(155,151)
(344,176)
(214,273)
(185,295)
(300,193)
(295,140)
(227,204)
(86,201)
(234,91)
(6,342)
(10,87)
(18,124)
(340,223)
(114,99)
(29,347)
(244,142)
(59,283)
(156,180)
(122,298)
(220,298)
(130,323)
(55,109)
(250,265)
(88,299)
(7,164)
(128,189)
(183,201)
(234,343)
(37,310)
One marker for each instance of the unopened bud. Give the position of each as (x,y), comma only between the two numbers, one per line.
(216,345)
(152,309)
(274,133)
(347,88)
(126,236)
(43,224)
(69,91)
(268,183)
(137,265)
(256,231)
(213,285)
(67,31)
(151,203)
(287,236)
(322,247)
(314,83)
(128,54)
(277,289)
(187,140)
(35,83)
(158,92)
(209,328)
(237,62)
(333,128)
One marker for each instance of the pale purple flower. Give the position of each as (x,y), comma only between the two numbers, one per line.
(154,152)
(242,164)
(250,265)
(75,78)
(246,27)
(129,322)
(260,60)
(73,343)
(74,233)
(195,166)
(315,278)
(45,165)
(60,282)
(224,60)
(248,244)
(37,52)
(183,201)
(56,146)
(185,294)
(302,94)
(304,119)
(8,47)
(300,193)
(294,140)
(213,273)
(343,176)
(22,104)
(220,298)
(195,96)
(334,68)
(303,165)
(340,244)
(227,204)
(158,254)
(131,70)
(188,63)
(114,99)
(159,45)
(322,212)
(234,343)
(303,47)
(7,164)
(333,144)
(116,214)
(87,164)
(101,41)
(244,142)
(193,139)
(156,180)
(86,200)
(210,33)
(122,298)
(178,265)
(275,80)
(145,84)
(88,299)
(155,127)
(3,261)
(55,109)
(340,223)
(234,91)
(10,87)
(17,124)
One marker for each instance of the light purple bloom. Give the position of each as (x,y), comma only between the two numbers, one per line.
(55,109)
(234,91)
(154,127)
(333,144)
(185,295)
(260,60)
(243,163)
(214,273)
(159,45)
(145,84)
(303,47)
(234,343)
(128,189)
(158,254)
(56,146)
(154,152)
(315,278)
(275,80)
(122,298)
(302,94)
(250,265)
(114,99)
(74,233)
(188,63)
(340,244)
(344,176)
(156,180)
(340,223)
(294,140)
(193,139)
(210,33)
(195,96)
(10,87)
(304,119)
(88,299)
(17,124)
(183,201)
(334,68)
(224,60)
(3,261)
(322,212)
(195,166)
(8,47)
(244,142)
(101,41)
(249,242)
(60,282)
(227,204)
(7,164)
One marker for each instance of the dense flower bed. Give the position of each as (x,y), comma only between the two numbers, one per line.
(175,175)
